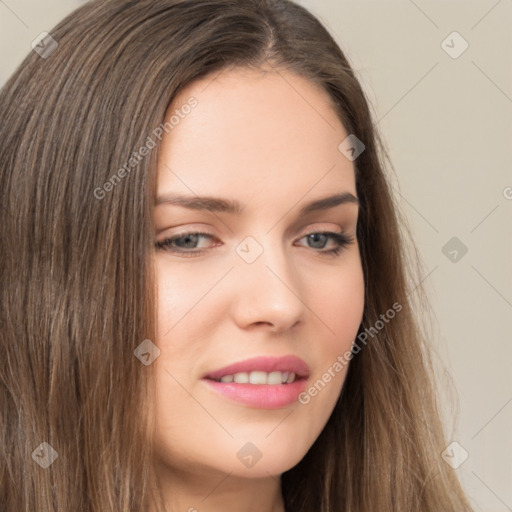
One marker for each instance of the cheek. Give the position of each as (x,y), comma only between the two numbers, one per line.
(337,299)
(179,312)
(179,293)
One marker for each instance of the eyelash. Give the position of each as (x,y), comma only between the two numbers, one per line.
(341,239)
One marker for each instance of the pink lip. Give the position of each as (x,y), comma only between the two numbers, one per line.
(262,396)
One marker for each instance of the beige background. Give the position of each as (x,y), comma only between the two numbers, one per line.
(448,125)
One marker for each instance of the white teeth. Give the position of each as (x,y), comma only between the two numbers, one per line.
(259,377)
(274,378)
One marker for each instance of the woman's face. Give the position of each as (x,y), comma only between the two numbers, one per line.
(255,283)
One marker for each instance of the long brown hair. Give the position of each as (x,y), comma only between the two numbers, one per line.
(76,279)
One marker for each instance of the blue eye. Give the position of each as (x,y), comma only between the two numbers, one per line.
(340,239)
(186,245)
(180,244)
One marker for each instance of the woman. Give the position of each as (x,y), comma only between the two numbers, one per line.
(206,301)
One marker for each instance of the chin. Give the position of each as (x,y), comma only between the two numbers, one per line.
(270,453)
(244,456)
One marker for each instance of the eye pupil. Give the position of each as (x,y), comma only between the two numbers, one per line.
(188,238)
(314,237)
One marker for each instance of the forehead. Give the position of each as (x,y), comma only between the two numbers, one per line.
(254,132)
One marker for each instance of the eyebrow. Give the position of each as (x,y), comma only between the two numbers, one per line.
(233,207)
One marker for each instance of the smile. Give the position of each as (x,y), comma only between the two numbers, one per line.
(259,377)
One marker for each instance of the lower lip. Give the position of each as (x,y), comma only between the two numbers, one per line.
(262,396)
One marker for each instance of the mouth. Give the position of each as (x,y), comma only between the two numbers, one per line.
(261,382)
(260,377)
(262,370)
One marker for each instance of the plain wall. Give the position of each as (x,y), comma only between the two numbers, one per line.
(447,123)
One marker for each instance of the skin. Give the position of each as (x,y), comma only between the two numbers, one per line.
(269,140)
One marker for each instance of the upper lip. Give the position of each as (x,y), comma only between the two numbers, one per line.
(265,364)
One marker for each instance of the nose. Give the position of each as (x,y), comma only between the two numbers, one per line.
(268,290)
